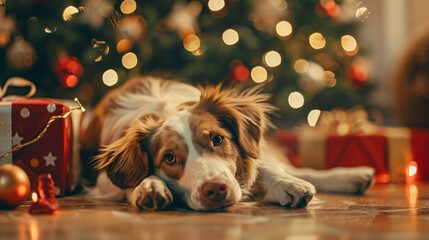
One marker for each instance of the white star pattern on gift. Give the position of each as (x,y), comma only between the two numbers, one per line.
(50,159)
(16,140)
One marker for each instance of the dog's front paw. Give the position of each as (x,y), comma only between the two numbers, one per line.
(358,179)
(294,193)
(152,194)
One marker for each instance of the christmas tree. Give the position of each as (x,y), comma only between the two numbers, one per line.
(303,51)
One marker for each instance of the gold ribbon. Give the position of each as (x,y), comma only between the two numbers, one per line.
(21,82)
(17,82)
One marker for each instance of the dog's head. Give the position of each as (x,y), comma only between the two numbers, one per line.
(207,149)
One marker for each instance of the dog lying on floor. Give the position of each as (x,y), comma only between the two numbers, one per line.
(165,141)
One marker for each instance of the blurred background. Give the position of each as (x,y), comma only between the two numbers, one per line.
(313,56)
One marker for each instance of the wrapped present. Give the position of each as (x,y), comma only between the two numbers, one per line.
(47,136)
(419,144)
(349,144)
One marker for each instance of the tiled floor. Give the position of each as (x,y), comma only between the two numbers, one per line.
(385,212)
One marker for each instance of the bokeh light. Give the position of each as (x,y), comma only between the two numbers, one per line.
(272,59)
(359,73)
(241,73)
(348,43)
(71,80)
(110,77)
(331,79)
(69,12)
(128,6)
(316,72)
(283,28)
(124,45)
(129,60)
(412,169)
(216,5)
(296,100)
(280,5)
(317,40)
(259,74)
(313,117)
(50,30)
(191,42)
(230,37)
(331,7)
(301,66)
(362,12)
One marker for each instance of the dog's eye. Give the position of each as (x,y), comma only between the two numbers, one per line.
(217,140)
(169,158)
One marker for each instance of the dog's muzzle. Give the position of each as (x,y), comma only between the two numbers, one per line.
(214,194)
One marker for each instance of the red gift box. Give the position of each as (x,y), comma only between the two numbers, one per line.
(420,152)
(355,150)
(388,150)
(22,121)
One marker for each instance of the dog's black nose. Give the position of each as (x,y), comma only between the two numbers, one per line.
(214,191)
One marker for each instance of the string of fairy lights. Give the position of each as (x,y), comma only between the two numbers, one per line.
(183,19)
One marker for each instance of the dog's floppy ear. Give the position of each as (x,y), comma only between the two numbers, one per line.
(126,160)
(244,114)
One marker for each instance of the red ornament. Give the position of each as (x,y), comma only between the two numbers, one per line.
(328,8)
(14,186)
(69,70)
(358,74)
(241,73)
(44,202)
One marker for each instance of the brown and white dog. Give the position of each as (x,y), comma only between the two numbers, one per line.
(166,141)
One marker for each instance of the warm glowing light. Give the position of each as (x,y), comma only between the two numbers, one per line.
(49,30)
(348,43)
(69,12)
(360,73)
(191,42)
(330,79)
(317,40)
(272,58)
(34,197)
(71,80)
(128,6)
(124,45)
(230,37)
(362,12)
(382,178)
(200,51)
(331,8)
(316,72)
(296,100)
(241,73)
(4,38)
(280,5)
(283,28)
(301,66)
(129,60)
(343,129)
(412,168)
(216,5)
(110,77)
(313,117)
(413,194)
(34,230)
(259,74)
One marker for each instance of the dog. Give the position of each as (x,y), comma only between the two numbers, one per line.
(163,142)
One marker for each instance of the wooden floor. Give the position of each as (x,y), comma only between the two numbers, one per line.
(385,212)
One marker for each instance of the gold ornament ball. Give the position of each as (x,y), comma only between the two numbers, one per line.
(14,186)
(132,28)
(21,55)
